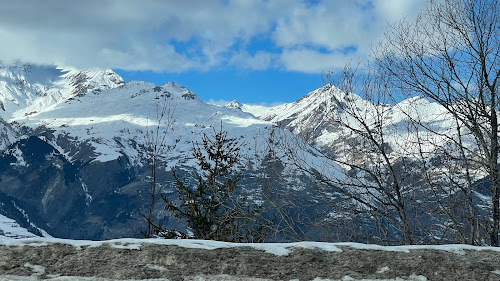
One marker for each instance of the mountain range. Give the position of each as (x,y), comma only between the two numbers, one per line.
(73,153)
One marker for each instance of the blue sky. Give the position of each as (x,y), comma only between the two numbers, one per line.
(267,87)
(255,51)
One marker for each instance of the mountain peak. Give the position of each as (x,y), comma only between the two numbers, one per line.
(26,89)
(172,85)
(234,104)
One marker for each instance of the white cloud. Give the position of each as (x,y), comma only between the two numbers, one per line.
(261,60)
(333,25)
(311,61)
(177,36)
(315,38)
(393,10)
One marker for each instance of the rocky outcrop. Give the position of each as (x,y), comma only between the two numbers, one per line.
(132,259)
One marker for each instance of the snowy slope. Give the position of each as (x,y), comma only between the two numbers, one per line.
(114,122)
(315,117)
(26,89)
(312,116)
(7,134)
(9,228)
(96,108)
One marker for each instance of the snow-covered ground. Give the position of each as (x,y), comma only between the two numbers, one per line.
(277,249)
(159,259)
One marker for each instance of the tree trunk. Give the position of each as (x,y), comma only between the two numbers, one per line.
(494,173)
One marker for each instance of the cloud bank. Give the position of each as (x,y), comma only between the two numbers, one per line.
(179,36)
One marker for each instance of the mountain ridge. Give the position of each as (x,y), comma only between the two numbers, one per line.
(318,116)
(26,88)
(77,164)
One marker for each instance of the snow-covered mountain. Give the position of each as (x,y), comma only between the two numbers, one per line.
(113,122)
(27,89)
(414,150)
(317,116)
(73,149)
(73,154)
(310,117)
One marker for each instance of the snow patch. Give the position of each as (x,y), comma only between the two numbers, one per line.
(37,269)
(88,197)
(412,277)
(453,248)
(9,228)
(278,249)
(16,152)
(383,269)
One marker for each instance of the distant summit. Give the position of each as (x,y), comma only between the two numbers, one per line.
(234,104)
(26,89)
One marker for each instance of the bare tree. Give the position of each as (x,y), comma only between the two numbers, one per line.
(450,179)
(156,142)
(363,173)
(387,170)
(451,55)
(375,170)
(287,208)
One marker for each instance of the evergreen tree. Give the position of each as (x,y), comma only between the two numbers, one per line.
(211,208)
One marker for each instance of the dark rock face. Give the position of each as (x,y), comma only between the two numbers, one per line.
(83,200)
